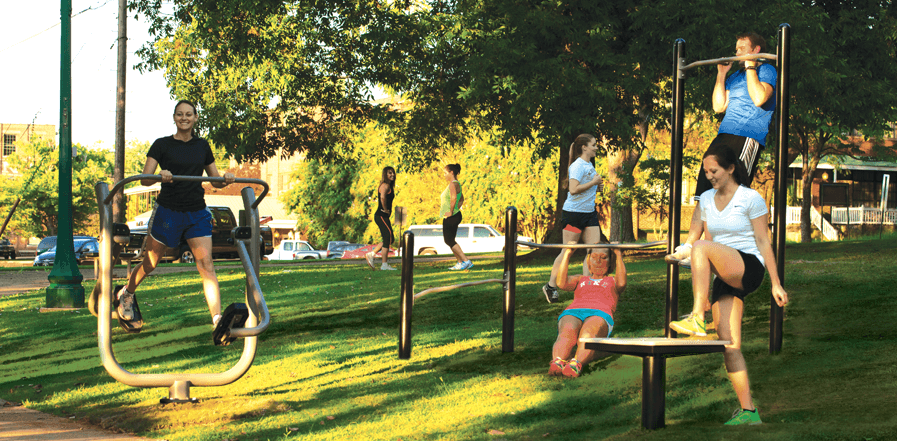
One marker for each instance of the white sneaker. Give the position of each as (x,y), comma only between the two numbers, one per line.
(457,267)
(466,265)
(369,257)
(386,267)
(681,255)
(125,304)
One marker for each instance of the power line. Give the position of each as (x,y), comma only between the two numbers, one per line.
(89,8)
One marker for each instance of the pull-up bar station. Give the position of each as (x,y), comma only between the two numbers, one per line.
(655,351)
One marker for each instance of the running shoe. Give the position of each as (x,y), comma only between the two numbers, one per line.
(386,267)
(572,369)
(125,304)
(692,325)
(551,293)
(466,265)
(681,255)
(457,267)
(556,367)
(741,416)
(369,257)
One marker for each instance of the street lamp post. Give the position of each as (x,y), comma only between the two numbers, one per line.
(65,288)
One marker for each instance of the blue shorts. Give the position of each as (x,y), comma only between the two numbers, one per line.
(171,227)
(583,314)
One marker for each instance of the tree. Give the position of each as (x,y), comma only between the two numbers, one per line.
(37,212)
(847,61)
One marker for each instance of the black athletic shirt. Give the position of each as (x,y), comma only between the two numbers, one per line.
(182,159)
(390,195)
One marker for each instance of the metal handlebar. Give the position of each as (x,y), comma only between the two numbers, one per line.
(121,184)
(726,60)
(577,246)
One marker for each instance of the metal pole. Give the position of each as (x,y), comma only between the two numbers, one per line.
(119,210)
(654,392)
(507,329)
(776,312)
(675,209)
(407,296)
(65,288)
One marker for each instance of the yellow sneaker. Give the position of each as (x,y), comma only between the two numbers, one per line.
(692,325)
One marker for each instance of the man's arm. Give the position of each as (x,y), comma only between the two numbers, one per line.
(758,90)
(720,94)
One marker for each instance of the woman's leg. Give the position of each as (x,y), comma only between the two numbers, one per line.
(153,252)
(589,235)
(202,251)
(459,254)
(567,237)
(709,257)
(727,313)
(593,327)
(568,336)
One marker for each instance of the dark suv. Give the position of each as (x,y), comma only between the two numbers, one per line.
(7,250)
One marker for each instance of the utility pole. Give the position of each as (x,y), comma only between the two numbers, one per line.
(65,290)
(119,209)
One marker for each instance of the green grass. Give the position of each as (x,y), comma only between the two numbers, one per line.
(328,367)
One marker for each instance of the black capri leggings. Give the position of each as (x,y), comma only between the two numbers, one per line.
(382,221)
(450,229)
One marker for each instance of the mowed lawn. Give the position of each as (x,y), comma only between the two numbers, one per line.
(328,367)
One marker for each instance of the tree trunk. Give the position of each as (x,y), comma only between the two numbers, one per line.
(621,227)
(806,229)
(555,235)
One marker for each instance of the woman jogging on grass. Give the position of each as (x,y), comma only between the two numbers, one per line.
(735,219)
(579,217)
(591,314)
(180,213)
(385,194)
(451,200)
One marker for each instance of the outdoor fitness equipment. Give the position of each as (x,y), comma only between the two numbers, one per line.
(655,351)
(257,321)
(508,281)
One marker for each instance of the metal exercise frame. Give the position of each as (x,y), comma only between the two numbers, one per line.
(655,351)
(508,281)
(257,322)
(783,67)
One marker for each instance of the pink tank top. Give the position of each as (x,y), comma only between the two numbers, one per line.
(598,294)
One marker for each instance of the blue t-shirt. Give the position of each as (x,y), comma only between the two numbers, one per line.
(584,202)
(743,118)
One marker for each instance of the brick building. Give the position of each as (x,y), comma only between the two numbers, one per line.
(10,134)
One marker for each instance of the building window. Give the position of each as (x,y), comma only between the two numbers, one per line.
(9,144)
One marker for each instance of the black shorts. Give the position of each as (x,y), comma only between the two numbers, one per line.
(382,221)
(747,149)
(580,220)
(751,280)
(450,229)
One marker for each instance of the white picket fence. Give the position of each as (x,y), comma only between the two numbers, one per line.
(792,216)
(863,215)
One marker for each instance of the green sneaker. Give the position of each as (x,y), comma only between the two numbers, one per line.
(742,416)
(691,325)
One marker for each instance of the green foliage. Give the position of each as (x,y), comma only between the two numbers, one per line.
(37,212)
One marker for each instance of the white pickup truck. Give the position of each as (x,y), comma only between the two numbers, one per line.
(473,238)
(296,250)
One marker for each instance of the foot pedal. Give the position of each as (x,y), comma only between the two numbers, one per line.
(134,325)
(233,317)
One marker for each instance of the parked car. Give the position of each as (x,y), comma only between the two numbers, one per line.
(223,245)
(331,248)
(82,247)
(346,251)
(473,238)
(358,253)
(7,250)
(296,250)
(50,242)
